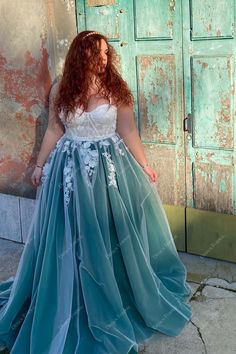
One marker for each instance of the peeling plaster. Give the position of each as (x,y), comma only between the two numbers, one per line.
(25,91)
(28,85)
(69,4)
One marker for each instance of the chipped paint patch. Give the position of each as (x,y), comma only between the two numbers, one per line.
(30,84)
(146,24)
(100,2)
(105,18)
(25,90)
(157,97)
(213,186)
(212,19)
(212,105)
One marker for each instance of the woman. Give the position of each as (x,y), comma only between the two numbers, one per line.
(100,272)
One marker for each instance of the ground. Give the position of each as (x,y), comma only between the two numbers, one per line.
(212,329)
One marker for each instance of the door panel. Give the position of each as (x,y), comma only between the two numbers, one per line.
(211,19)
(157,88)
(212,104)
(153,29)
(209,92)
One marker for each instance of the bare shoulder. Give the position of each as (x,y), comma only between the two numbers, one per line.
(125,109)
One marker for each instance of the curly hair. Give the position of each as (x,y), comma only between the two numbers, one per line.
(84,53)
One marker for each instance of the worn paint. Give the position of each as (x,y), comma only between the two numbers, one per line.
(213,123)
(146,24)
(100,2)
(28,85)
(157,97)
(160,159)
(222,187)
(213,186)
(212,19)
(24,87)
(211,147)
(109,19)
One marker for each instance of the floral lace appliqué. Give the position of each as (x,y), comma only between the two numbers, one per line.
(111,169)
(116,140)
(68,179)
(68,171)
(89,157)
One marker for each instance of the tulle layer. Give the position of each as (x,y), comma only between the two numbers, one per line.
(99,272)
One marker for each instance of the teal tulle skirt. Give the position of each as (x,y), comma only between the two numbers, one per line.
(99,272)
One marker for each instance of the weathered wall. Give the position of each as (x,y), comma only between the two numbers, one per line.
(35,35)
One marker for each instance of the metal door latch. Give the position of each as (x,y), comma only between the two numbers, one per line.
(188,123)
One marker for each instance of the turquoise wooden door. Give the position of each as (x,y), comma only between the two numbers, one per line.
(177,65)
(209,94)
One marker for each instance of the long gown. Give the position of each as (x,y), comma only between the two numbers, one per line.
(99,272)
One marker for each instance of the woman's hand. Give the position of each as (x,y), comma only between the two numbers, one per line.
(151,173)
(35,178)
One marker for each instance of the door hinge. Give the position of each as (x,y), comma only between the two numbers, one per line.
(188,123)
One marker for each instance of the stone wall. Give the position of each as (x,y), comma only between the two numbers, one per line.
(35,36)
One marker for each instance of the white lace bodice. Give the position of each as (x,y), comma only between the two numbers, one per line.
(97,124)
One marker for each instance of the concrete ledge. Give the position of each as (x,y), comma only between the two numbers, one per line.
(15,217)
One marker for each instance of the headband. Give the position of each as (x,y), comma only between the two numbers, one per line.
(89,34)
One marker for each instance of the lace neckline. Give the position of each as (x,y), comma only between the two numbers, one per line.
(93,110)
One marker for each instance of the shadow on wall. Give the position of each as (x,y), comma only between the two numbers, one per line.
(34,40)
(25,91)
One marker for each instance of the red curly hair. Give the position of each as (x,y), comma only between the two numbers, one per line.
(75,81)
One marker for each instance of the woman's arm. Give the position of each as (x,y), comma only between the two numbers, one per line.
(126,127)
(53,132)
